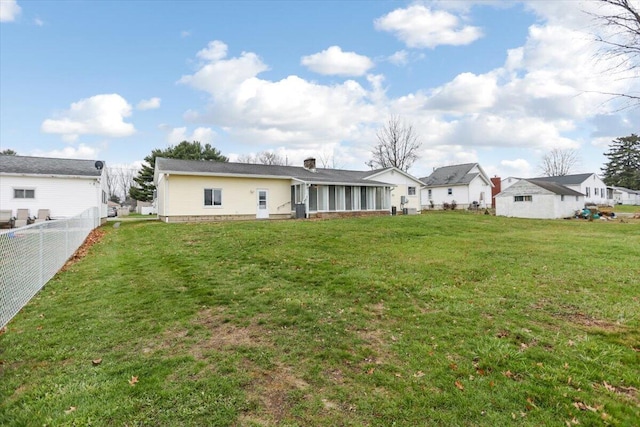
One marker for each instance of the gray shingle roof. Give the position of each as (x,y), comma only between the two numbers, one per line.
(576,179)
(450,175)
(337,176)
(48,166)
(554,187)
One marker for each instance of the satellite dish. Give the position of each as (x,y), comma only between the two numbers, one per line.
(99,165)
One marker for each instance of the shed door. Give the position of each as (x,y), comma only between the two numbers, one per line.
(263,205)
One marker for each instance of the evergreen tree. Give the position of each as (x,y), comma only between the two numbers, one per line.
(623,167)
(143,190)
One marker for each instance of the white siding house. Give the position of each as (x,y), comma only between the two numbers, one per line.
(624,196)
(67,187)
(405,188)
(530,198)
(464,184)
(589,184)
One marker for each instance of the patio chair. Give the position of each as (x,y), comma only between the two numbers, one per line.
(22,218)
(6,219)
(43,215)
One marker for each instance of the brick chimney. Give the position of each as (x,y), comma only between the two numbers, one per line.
(310,164)
(497,187)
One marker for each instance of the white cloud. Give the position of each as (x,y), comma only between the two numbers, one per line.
(148,104)
(418,27)
(99,115)
(466,93)
(399,58)
(82,151)
(518,167)
(291,110)
(39,22)
(185,33)
(214,51)
(204,135)
(333,61)
(9,10)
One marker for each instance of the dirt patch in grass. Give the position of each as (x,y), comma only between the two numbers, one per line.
(271,391)
(225,334)
(629,392)
(583,319)
(94,237)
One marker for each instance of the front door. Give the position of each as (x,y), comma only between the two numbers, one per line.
(263,206)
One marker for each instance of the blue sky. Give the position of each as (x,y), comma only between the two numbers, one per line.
(497,82)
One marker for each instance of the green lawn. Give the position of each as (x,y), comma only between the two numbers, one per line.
(442,319)
(626,209)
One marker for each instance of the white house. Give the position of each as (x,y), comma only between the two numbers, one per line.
(589,184)
(625,196)
(529,198)
(196,190)
(405,193)
(464,184)
(67,187)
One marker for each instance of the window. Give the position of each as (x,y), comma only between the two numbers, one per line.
(429,192)
(587,191)
(347,197)
(313,198)
(363,198)
(213,197)
(523,198)
(411,191)
(595,191)
(332,197)
(562,197)
(24,193)
(450,191)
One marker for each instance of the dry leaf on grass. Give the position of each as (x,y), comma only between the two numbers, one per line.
(459,386)
(133,381)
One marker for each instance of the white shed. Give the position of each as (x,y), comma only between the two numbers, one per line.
(67,187)
(538,199)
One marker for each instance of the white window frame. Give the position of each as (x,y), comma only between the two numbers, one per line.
(411,190)
(449,191)
(213,198)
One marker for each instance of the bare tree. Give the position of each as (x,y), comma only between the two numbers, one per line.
(398,145)
(328,160)
(125,181)
(263,158)
(111,176)
(620,21)
(559,162)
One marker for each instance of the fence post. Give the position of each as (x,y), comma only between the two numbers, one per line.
(41,234)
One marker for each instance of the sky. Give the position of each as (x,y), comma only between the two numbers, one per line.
(500,83)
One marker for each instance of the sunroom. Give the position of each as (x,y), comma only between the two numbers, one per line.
(340,199)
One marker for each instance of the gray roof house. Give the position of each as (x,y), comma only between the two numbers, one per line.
(465,184)
(589,184)
(195,190)
(66,187)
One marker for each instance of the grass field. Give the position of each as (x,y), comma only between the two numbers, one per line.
(448,319)
(626,209)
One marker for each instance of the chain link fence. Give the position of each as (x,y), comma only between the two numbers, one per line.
(30,256)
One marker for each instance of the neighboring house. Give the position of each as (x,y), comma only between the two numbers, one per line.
(589,184)
(625,196)
(195,190)
(67,187)
(464,184)
(406,191)
(529,198)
